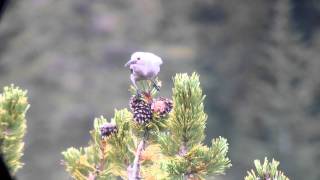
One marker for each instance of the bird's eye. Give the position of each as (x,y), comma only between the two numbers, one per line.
(138,58)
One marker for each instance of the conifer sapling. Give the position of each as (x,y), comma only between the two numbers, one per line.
(159,139)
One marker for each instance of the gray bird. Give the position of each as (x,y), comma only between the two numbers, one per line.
(144,66)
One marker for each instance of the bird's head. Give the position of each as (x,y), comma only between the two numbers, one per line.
(144,58)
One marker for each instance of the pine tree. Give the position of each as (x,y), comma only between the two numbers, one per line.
(159,139)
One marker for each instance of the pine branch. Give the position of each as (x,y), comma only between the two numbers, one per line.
(187,158)
(108,152)
(13,108)
(188,119)
(266,171)
(134,171)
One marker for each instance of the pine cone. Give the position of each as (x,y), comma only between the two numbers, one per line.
(162,106)
(142,113)
(108,129)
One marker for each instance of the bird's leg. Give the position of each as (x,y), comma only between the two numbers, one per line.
(139,93)
(155,85)
(133,80)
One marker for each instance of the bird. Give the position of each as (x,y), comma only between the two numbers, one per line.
(144,66)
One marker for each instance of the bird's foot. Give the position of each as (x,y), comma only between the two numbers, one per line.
(156,87)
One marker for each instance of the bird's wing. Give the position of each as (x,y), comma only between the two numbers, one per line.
(154,59)
(159,61)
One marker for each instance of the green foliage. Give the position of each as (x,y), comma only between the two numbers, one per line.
(201,161)
(77,163)
(188,119)
(266,171)
(186,156)
(104,157)
(13,108)
(122,144)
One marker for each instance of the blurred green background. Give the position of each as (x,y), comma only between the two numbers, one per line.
(259,62)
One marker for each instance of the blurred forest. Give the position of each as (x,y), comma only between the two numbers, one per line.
(258,60)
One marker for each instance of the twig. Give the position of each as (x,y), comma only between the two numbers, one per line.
(92,176)
(182,152)
(103,158)
(134,170)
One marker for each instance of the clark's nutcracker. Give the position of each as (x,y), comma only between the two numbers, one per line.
(144,66)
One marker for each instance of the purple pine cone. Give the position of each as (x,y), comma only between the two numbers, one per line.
(108,129)
(142,113)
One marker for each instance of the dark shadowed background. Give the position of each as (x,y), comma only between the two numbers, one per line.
(259,62)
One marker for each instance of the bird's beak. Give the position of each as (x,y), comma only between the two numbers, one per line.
(132,61)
